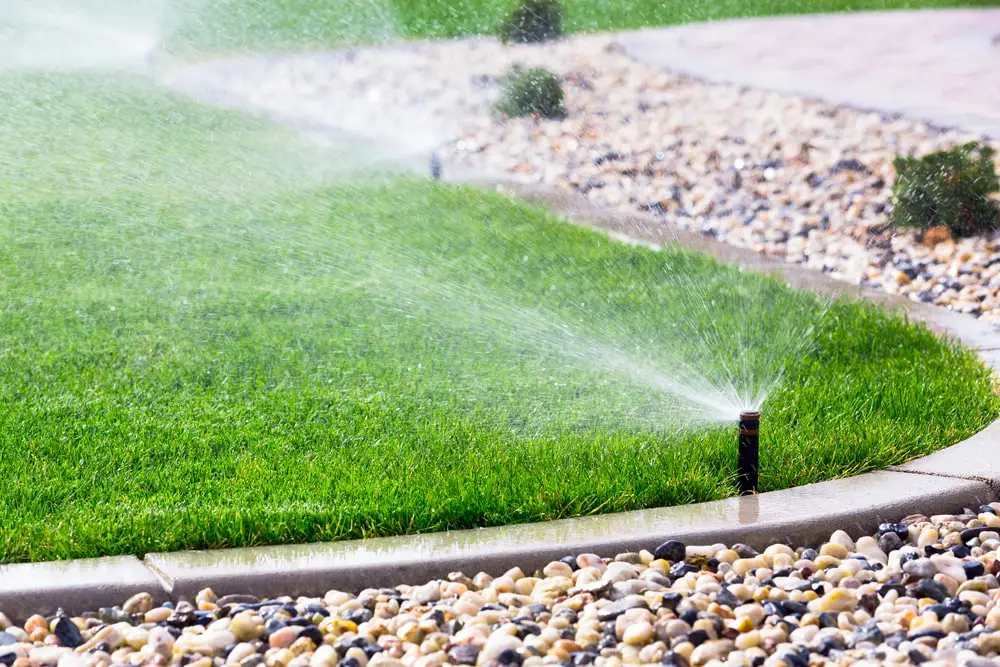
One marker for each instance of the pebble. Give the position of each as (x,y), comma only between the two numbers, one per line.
(671,550)
(638,634)
(843,539)
(889,542)
(111,636)
(949,566)
(66,632)
(43,655)
(284,637)
(868,547)
(921,567)
(463,654)
(140,603)
(246,626)
(429,592)
(497,644)
(834,550)
(616,609)
(837,600)
(711,650)
(247,649)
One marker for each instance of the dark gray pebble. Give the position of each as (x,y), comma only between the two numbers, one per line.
(67,632)
(672,659)
(671,550)
(111,615)
(972,533)
(463,654)
(869,632)
(509,656)
(929,588)
(615,609)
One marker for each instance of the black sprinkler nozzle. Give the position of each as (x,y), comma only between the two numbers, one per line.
(747,457)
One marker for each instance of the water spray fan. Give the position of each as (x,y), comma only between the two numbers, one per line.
(747,453)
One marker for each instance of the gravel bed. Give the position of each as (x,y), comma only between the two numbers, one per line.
(788,177)
(921,591)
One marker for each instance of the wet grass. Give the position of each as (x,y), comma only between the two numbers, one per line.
(254,24)
(206,342)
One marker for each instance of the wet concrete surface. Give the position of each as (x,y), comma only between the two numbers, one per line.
(802,515)
(74,585)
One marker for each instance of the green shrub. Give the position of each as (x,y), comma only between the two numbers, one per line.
(948,188)
(532,21)
(531,91)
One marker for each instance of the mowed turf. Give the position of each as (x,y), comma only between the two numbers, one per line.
(210,338)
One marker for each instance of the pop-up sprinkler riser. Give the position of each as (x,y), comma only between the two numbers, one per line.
(747,457)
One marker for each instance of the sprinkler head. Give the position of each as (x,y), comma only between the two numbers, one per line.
(747,456)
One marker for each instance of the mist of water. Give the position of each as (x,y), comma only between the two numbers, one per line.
(54,35)
(703,368)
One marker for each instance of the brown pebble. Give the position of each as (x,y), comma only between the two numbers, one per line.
(35,623)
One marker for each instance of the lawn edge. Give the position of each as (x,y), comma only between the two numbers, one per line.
(800,515)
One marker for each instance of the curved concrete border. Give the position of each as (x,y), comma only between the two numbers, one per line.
(801,515)
(964,475)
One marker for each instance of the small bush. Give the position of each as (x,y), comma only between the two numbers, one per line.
(532,21)
(531,91)
(948,188)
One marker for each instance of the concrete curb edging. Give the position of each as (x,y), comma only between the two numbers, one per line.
(800,515)
(73,585)
(977,458)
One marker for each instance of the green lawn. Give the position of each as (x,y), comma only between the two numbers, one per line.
(210,337)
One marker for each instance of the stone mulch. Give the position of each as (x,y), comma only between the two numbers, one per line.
(921,591)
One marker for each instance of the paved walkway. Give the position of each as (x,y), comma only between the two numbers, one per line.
(940,66)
